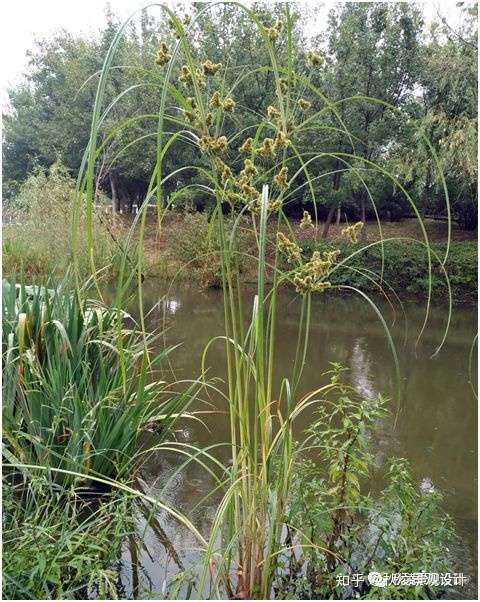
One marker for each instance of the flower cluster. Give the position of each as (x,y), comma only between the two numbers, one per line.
(163,55)
(247,146)
(290,249)
(304,104)
(187,76)
(210,68)
(283,85)
(216,100)
(255,205)
(306,221)
(352,232)
(275,205)
(217,145)
(281,179)
(268,148)
(273,113)
(228,105)
(274,31)
(314,59)
(281,140)
(249,169)
(311,276)
(226,173)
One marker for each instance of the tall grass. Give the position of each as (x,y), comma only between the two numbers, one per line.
(248,531)
(59,546)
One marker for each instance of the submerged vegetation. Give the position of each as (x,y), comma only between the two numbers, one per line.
(82,380)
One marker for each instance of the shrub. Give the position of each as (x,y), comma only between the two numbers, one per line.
(406,268)
(195,242)
(38,241)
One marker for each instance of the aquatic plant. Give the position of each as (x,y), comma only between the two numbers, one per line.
(78,386)
(248,534)
(57,545)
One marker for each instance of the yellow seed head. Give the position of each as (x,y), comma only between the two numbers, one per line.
(191,116)
(281,179)
(273,113)
(267,149)
(229,105)
(227,174)
(290,249)
(220,144)
(274,206)
(163,55)
(306,221)
(210,68)
(186,76)
(281,140)
(247,146)
(314,59)
(352,232)
(304,104)
(283,83)
(249,169)
(216,101)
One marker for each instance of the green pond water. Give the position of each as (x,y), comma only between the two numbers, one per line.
(436,429)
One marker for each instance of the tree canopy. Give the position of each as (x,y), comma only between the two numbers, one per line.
(375,50)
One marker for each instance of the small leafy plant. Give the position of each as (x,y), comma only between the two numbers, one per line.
(337,529)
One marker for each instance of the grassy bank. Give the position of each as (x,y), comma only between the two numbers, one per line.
(406,269)
(187,250)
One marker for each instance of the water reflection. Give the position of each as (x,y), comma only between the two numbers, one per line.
(360,370)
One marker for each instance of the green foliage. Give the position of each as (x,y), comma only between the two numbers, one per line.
(57,546)
(76,373)
(196,244)
(78,389)
(448,119)
(405,268)
(341,530)
(372,49)
(38,239)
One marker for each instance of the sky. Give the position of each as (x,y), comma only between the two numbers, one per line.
(23,21)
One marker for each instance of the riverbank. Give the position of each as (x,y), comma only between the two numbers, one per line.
(186,250)
(181,251)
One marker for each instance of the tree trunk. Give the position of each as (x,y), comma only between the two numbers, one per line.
(115,199)
(326,226)
(363,235)
(335,185)
(339,214)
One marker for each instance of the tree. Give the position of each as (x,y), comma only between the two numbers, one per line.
(447,118)
(372,51)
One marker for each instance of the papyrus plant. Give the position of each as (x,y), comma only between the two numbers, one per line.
(253,172)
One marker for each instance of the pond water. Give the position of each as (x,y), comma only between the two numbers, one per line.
(436,429)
